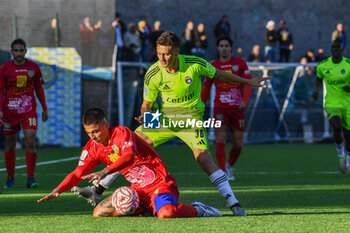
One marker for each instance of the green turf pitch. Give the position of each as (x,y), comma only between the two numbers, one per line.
(284,188)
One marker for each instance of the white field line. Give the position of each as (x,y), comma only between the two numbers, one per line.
(47,162)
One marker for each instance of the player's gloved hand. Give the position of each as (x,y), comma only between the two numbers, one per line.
(346,88)
(315,95)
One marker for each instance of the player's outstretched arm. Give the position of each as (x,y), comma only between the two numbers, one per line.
(229,77)
(54,194)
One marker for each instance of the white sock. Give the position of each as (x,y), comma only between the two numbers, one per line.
(107,181)
(199,211)
(220,181)
(347,158)
(340,150)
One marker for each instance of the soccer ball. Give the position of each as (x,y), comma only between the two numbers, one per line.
(125,200)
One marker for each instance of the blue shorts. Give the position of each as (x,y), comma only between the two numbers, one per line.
(164,199)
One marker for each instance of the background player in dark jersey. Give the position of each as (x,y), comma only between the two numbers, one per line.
(19,79)
(229,103)
(335,72)
(122,150)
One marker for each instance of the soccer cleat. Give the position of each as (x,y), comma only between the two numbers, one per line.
(89,193)
(208,211)
(31,183)
(238,210)
(342,166)
(229,172)
(10,182)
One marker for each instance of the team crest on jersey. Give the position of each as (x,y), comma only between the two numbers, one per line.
(115,148)
(235,68)
(343,71)
(188,80)
(30,73)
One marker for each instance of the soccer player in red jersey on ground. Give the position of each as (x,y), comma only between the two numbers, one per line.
(122,150)
(229,103)
(19,79)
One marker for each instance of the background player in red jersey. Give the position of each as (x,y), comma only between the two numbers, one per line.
(19,79)
(122,150)
(229,103)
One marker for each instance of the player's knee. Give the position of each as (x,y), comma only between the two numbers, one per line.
(97,211)
(167,211)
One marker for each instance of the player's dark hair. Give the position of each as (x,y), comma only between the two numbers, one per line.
(18,41)
(224,38)
(169,38)
(93,116)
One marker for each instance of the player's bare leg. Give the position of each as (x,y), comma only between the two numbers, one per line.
(31,156)
(336,123)
(10,159)
(105,209)
(218,179)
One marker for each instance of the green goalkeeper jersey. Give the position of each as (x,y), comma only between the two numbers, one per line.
(335,77)
(180,92)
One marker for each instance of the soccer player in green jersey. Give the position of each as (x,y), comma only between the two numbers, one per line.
(335,73)
(177,79)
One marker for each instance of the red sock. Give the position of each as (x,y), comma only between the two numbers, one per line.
(220,155)
(10,161)
(31,163)
(235,152)
(185,211)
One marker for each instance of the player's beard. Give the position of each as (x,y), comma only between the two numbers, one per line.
(19,59)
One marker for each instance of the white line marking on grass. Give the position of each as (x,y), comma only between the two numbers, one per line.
(47,162)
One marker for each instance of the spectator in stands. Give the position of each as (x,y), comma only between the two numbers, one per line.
(339,33)
(222,28)
(285,39)
(120,29)
(132,43)
(307,70)
(157,31)
(310,55)
(320,55)
(86,33)
(271,38)
(201,43)
(188,39)
(103,44)
(52,39)
(240,52)
(144,32)
(256,55)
